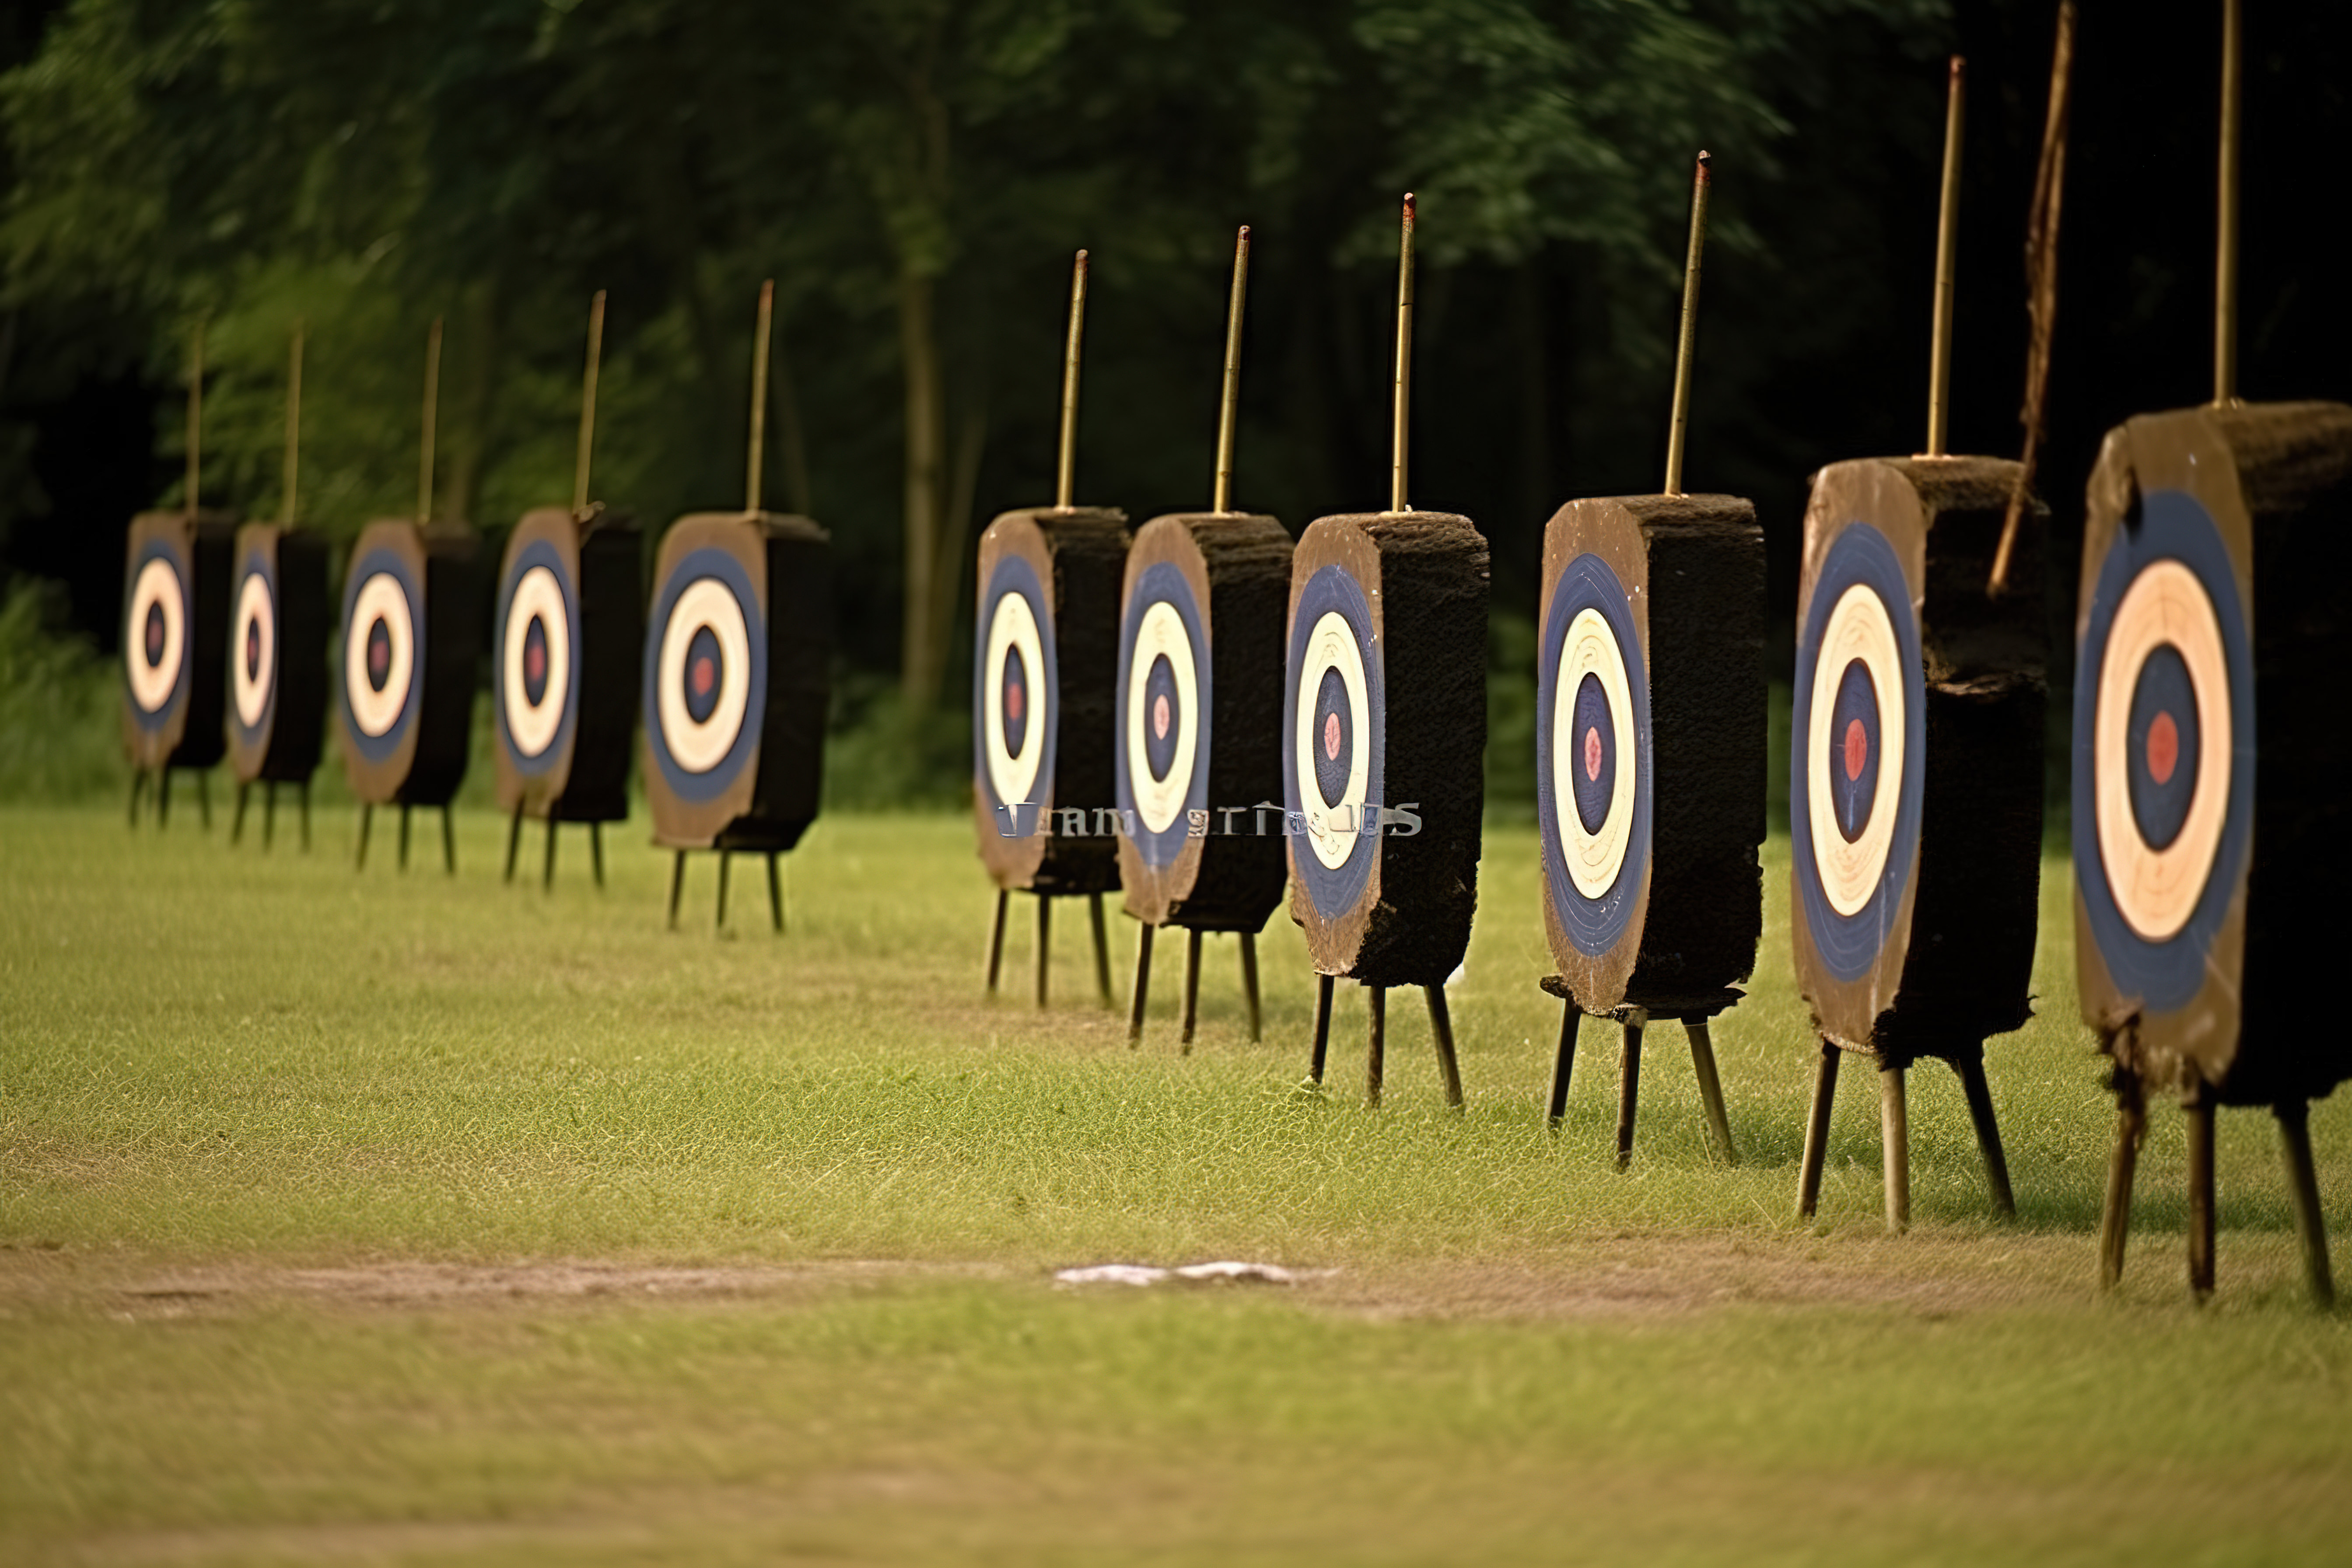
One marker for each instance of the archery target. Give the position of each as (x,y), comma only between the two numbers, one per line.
(706,676)
(2164,739)
(1858,764)
(155,630)
(1334,712)
(383,667)
(538,649)
(1594,761)
(1163,764)
(1016,686)
(253,648)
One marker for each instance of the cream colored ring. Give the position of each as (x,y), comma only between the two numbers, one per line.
(2155,890)
(1858,629)
(533,726)
(1162,633)
(697,748)
(1332,646)
(1012,775)
(156,587)
(1594,858)
(251,688)
(374,711)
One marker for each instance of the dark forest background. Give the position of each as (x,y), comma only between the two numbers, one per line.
(915,174)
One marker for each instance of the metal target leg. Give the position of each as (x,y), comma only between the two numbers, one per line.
(547,873)
(404,838)
(1102,947)
(2200,1198)
(1894,1134)
(1142,982)
(1323,987)
(1563,1064)
(996,937)
(236,823)
(367,817)
(1374,1062)
(1629,1084)
(721,925)
(1996,1162)
(2115,1218)
(205,799)
(1249,980)
(1710,1088)
(1817,1130)
(775,896)
(1191,989)
(269,814)
(677,887)
(514,843)
(596,851)
(1441,1028)
(448,842)
(2302,1185)
(1045,942)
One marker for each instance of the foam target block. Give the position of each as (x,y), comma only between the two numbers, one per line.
(279,629)
(1046,697)
(1915,769)
(1383,743)
(2208,752)
(411,636)
(176,615)
(569,643)
(737,680)
(1650,748)
(1199,721)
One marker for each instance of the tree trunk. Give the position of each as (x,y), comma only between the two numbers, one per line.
(922,641)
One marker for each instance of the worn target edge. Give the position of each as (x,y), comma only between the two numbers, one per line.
(381,560)
(2164,975)
(257,568)
(1850,945)
(1333,590)
(1595,924)
(539,554)
(1015,575)
(700,786)
(1161,843)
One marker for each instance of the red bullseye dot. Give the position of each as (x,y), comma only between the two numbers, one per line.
(1013,702)
(1160,718)
(2163,748)
(1592,753)
(1331,736)
(704,674)
(534,662)
(1857,749)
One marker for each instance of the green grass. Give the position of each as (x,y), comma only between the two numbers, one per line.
(293,1161)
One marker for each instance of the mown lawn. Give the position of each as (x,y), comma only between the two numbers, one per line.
(389,1218)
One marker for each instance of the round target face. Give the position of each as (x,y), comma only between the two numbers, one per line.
(155,635)
(1592,755)
(1015,692)
(539,647)
(1334,714)
(253,648)
(383,662)
(1163,681)
(1857,764)
(706,684)
(2164,752)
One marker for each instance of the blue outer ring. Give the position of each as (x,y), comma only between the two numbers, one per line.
(1850,945)
(1335,891)
(2174,525)
(381,748)
(258,563)
(539,552)
(695,788)
(158,550)
(1165,582)
(1594,925)
(1016,575)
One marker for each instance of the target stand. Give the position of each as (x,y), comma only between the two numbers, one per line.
(736,683)
(1650,744)
(278,668)
(1915,787)
(2208,760)
(570,635)
(1045,703)
(175,631)
(411,636)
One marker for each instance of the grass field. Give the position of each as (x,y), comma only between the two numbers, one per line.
(392,1219)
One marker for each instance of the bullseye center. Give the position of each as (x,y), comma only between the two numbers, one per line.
(1013,700)
(1857,749)
(155,635)
(704,674)
(1331,736)
(1593,753)
(252,650)
(2163,748)
(1160,717)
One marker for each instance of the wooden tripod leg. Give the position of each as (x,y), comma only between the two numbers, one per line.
(367,817)
(164,796)
(2302,1185)
(547,873)
(1894,1138)
(404,838)
(1980,1094)
(725,858)
(269,813)
(1374,1059)
(1102,947)
(1045,942)
(1563,1064)
(2200,1198)
(2115,1217)
(1249,980)
(775,895)
(1323,986)
(1629,1084)
(996,937)
(137,787)
(1146,932)
(237,822)
(1191,989)
(596,852)
(1441,1027)
(514,842)
(449,839)
(677,887)
(1817,1130)
(1710,1089)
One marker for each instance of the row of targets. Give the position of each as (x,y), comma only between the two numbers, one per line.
(731,672)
